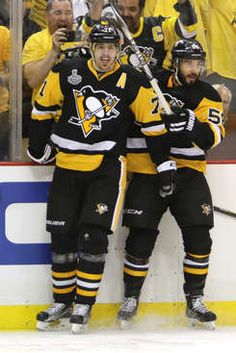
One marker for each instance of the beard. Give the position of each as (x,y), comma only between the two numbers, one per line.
(189,80)
(132,23)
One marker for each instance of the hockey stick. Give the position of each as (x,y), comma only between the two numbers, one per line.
(225,212)
(142,61)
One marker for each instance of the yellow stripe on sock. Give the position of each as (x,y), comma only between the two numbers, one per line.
(64,274)
(135,273)
(86,293)
(63,290)
(93,276)
(196,271)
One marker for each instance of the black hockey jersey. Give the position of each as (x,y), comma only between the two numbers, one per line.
(95,111)
(206,103)
(154,37)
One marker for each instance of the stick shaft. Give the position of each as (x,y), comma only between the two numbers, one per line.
(144,65)
(225,212)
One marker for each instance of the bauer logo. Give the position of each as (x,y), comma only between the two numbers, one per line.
(23,238)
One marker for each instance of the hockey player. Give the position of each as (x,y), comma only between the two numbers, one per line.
(96,97)
(153,35)
(184,136)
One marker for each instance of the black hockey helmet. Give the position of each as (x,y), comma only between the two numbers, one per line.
(104,33)
(188,49)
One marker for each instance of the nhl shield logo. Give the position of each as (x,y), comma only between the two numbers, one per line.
(93,107)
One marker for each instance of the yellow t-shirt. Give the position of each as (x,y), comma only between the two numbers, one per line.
(36,48)
(4,57)
(165,8)
(221,34)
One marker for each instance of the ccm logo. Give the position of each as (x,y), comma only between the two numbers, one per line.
(133,212)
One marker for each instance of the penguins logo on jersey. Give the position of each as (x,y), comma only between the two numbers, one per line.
(173,102)
(92,108)
(206,209)
(129,57)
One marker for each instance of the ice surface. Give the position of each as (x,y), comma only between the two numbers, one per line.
(135,340)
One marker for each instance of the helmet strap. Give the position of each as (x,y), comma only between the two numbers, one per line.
(177,74)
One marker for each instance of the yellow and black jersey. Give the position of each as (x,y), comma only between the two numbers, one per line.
(95,112)
(154,37)
(206,103)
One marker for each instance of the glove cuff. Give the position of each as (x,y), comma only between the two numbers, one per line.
(48,156)
(166,166)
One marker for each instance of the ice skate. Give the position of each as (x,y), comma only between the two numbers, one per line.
(53,317)
(197,312)
(127,312)
(80,317)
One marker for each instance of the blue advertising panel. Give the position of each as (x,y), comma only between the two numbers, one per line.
(21,254)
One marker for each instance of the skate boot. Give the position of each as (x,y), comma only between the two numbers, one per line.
(197,312)
(80,317)
(127,312)
(53,316)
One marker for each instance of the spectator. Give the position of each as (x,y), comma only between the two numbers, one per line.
(4,92)
(221,37)
(166,8)
(153,35)
(42,49)
(29,27)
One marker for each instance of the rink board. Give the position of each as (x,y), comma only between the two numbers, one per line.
(25,256)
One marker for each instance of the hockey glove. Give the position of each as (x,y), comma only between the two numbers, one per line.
(166,174)
(181,120)
(49,154)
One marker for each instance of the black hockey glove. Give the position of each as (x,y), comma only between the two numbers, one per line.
(46,156)
(181,120)
(166,174)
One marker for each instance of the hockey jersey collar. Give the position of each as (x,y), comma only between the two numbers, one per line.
(140,29)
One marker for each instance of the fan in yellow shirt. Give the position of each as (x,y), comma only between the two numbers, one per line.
(4,93)
(166,8)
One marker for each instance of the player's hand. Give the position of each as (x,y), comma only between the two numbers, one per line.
(48,155)
(181,120)
(166,175)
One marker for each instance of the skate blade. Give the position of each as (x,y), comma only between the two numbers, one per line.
(53,325)
(209,325)
(124,324)
(78,328)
